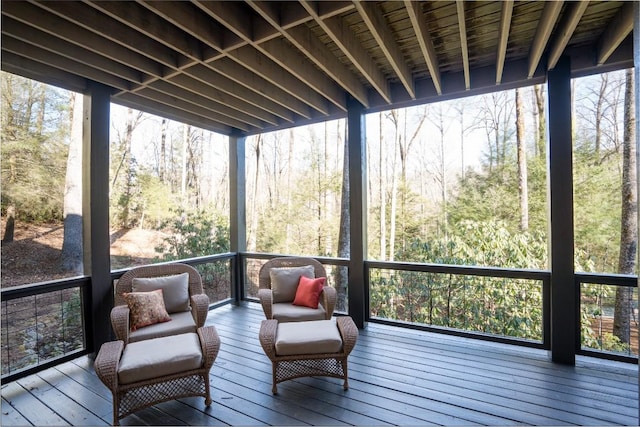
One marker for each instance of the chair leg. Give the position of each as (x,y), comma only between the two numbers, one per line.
(207,388)
(116,409)
(345,386)
(274,388)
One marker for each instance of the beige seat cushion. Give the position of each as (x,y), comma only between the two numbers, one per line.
(159,357)
(314,337)
(180,323)
(287,312)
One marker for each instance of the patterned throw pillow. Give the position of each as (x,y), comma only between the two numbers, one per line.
(146,308)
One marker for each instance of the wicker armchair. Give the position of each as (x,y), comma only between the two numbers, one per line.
(182,322)
(285,311)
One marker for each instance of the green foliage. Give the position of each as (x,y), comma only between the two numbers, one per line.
(34,148)
(193,234)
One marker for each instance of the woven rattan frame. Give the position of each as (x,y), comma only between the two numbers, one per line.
(327,297)
(309,365)
(120,313)
(129,398)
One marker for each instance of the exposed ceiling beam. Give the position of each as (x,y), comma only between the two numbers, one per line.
(141,103)
(546,23)
(462,24)
(346,40)
(33,36)
(27,50)
(30,14)
(566,27)
(619,28)
(419,23)
(305,41)
(290,75)
(192,21)
(503,37)
(379,28)
(96,22)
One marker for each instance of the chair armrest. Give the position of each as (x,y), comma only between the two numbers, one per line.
(106,364)
(267,336)
(199,308)
(120,322)
(328,298)
(349,332)
(210,343)
(266,300)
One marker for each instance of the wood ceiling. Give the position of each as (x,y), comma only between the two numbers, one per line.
(247,67)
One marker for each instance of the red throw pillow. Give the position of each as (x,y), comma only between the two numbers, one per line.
(308,292)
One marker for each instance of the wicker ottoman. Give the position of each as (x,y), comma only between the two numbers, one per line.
(305,349)
(148,372)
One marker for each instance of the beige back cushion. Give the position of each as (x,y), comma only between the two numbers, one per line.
(175,290)
(284,281)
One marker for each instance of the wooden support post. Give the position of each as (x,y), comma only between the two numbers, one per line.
(358,285)
(238,215)
(95,199)
(565,336)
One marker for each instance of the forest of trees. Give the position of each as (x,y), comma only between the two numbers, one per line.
(457,182)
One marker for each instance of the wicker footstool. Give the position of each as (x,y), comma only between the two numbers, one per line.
(306,349)
(148,372)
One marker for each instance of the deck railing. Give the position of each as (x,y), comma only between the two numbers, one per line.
(597,307)
(47,323)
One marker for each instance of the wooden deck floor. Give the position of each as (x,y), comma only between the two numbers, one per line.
(397,377)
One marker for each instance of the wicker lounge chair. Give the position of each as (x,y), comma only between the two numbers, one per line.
(285,311)
(186,317)
(142,374)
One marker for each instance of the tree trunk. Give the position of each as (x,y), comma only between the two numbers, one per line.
(252,240)
(599,113)
(344,243)
(163,151)
(71,257)
(9,225)
(629,220)
(542,126)
(523,191)
(383,194)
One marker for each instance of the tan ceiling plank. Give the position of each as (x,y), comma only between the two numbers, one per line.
(619,28)
(31,15)
(419,24)
(63,48)
(92,20)
(567,26)
(346,40)
(543,32)
(193,108)
(21,48)
(151,25)
(168,111)
(462,25)
(381,32)
(221,82)
(200,101)
(249,79)
(305,41)
(503,38)
(188,83)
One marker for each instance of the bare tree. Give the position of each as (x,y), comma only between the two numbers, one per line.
(523,191)
(542,122)
(344,242)
(252,238)
(629,218)
(71,256)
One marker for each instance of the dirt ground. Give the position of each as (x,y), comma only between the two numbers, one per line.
(34,255)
